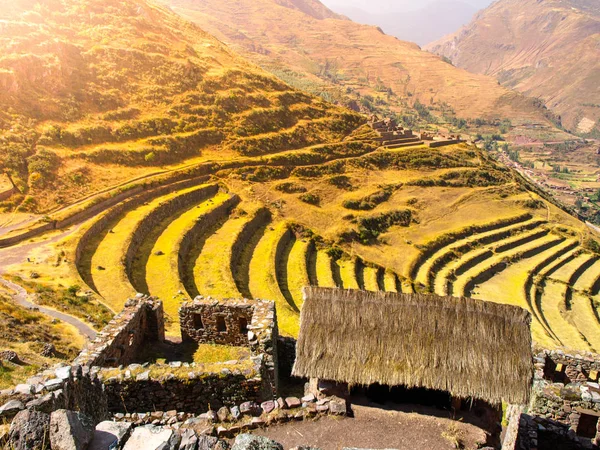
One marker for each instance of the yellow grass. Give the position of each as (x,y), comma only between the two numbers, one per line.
(112,283)
(263,279)
(370,277)
(389,282)
(212,353)
(584,318)
(212,270)
(553,307)
(324,273)
(348,273)
(509,287)
(426,267)
(297,272)
(162,275)
(462,280)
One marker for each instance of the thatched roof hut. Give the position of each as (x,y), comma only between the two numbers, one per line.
(467,347)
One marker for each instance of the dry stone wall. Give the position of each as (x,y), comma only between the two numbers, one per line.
(140,322)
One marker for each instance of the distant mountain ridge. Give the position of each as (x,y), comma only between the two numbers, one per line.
(548,49)
(281,34)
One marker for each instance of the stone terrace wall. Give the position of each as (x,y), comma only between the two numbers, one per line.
(141,321)
(182,387)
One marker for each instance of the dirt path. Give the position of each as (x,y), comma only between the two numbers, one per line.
(376,428)
(19,254)
(21,297)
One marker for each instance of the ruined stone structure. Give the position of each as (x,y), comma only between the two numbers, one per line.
(241,322)
(141,322)
(565,404)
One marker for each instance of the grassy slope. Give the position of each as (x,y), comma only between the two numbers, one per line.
(322,50)
(97,92)
(162,274)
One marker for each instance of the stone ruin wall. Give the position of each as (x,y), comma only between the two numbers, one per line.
(206,320)
(103,379)
(565,389)
(120,342)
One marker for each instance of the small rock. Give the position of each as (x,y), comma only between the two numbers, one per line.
(23,389)
(144,376)
(212,416)
(309,398)
(235,413)
(338,406)
(70,430)
(152,437)
(43,403)
(110,435)
(268,406)
(293,402)
(9,356)
(29,430)
(48,350)
(251,442)
(53,385)
(11,408)
(223,414)
(63,373)
(207,442)
(281,403)
(189,440)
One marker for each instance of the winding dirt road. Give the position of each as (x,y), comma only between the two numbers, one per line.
(21,297)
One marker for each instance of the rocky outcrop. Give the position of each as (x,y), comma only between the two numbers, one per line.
(70,430)
(29,430)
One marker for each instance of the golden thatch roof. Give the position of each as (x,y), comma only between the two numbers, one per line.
(467,347)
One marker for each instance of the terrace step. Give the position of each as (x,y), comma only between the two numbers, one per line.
(324,272)
(348,271)
(109,262)
(213,272)
(371,279)
(405,144)
(297,269)
(445,255)
(474,236)
(391,282)
(265,275)
(161,271)
(499,260)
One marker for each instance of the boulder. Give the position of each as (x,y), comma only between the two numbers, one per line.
(110,435)
(70,430)
(189,440)
(29,430)
(11,408)
(251,442)
(151,437)
(207,442)
(338,406)
(293,402)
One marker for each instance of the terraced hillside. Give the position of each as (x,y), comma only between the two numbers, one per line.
(525,261)
(94,93)
(200,240)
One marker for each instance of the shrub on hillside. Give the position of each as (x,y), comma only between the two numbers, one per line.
(311,199)
(341,182)
(290,188)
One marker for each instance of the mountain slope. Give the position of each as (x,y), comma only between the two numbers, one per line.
(95,92)
(349,55)
(548,49)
